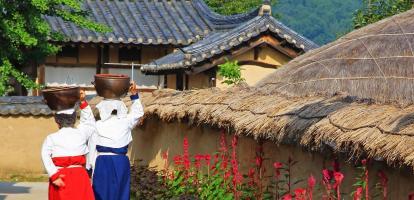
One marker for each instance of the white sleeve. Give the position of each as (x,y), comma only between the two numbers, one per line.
(87,121)
(47,147)
(137,111)
(91,157)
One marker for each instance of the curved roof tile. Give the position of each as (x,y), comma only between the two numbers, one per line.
(217,42)
(178,22)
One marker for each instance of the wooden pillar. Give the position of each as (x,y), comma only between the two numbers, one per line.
(186,82)
(180,81)
(165,81)
(40,78)
(99,61)
(103,57)
(256,53)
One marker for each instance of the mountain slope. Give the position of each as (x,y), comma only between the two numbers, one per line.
(319,20)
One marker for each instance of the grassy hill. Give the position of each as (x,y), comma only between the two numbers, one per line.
(319,20)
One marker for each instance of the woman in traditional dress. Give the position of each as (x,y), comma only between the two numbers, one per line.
(63,155)
(111,176)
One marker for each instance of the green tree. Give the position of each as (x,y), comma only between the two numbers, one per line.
(26,37)
(375,10)
(231,7)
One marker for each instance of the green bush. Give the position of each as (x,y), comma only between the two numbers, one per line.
(231,72)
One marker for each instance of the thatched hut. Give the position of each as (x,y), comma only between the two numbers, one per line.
(353,97)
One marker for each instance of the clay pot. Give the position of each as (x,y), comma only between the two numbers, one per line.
(111,86)
(61,98)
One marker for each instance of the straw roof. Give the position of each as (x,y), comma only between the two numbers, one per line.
(375,62)
(344,123)
(353,95)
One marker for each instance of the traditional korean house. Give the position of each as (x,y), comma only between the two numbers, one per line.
(260,45)
(346,101)
(144,31)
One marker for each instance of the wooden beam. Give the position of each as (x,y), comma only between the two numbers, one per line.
(70,65)
(278,45)
(99,62)
(258,63)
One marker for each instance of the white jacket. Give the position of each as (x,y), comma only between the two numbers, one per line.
(68,141)
(115,131)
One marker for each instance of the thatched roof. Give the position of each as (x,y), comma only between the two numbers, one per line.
(342,122)
(375,62)
(346,95)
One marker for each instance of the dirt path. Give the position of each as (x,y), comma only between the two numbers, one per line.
(23,191)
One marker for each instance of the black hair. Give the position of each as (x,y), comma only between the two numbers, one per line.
(65,120)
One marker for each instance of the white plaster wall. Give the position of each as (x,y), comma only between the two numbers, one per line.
(143,81)
(81,76)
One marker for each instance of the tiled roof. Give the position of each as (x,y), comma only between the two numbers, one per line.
(28,105)
(177,22)
(22,105)
(219,42)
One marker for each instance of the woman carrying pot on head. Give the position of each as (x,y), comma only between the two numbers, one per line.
(109,145)
(63,154)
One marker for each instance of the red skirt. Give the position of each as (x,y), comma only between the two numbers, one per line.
(76,179)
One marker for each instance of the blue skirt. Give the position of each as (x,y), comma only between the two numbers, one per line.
(111,179)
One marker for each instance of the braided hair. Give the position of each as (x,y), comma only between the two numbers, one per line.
(65,120)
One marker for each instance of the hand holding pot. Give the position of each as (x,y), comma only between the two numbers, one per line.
(82,95)
(133,90)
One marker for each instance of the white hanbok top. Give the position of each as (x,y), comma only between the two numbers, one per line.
(68,141)
(115,130)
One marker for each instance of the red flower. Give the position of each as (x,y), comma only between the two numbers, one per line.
(185,145)
(178,160)
(364,162)
(259,161)
(234,141)
(207,158)
(327,175)
(311,181)
(186,164)
(287,197)
(300,194)
(251,173)
(186,156)
(311,185)
(338,176)
(227,175)
(358,194)
(277,165)
(198,159)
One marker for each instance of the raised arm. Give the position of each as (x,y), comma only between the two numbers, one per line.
(137,111)
(87,120)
